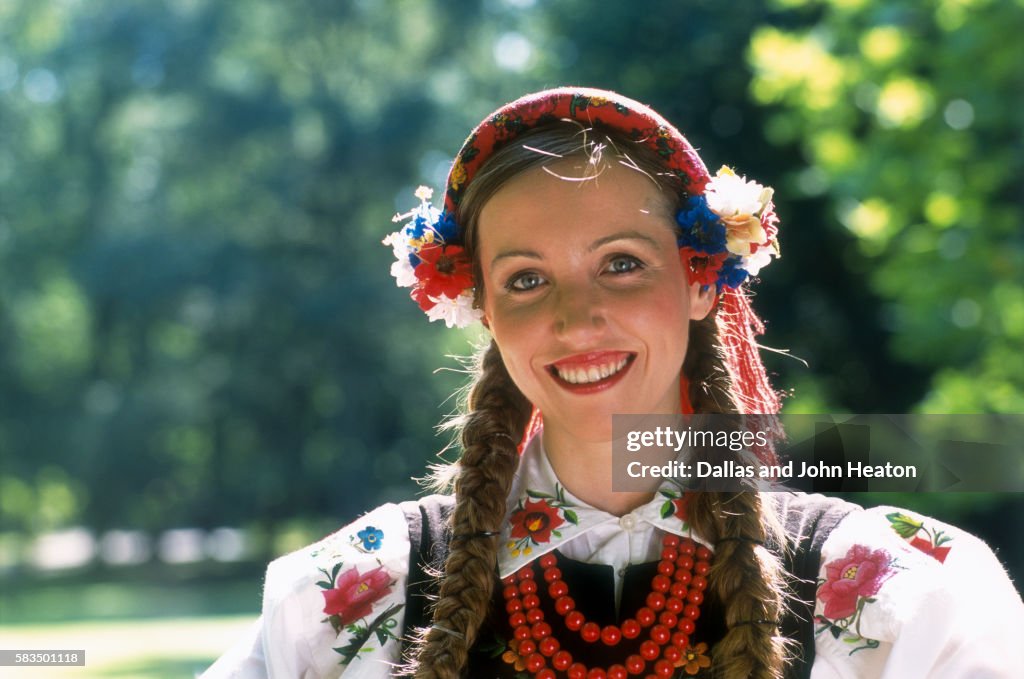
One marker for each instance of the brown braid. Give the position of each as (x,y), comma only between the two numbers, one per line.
(747,577)
(496,416)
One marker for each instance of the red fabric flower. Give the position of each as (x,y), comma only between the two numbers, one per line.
(935,551)
(443,270)
(860,573)
(535,520)
(354,594)
(701,268)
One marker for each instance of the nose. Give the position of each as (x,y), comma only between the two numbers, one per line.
(579,315)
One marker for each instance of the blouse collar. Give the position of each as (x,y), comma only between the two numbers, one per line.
(542,515)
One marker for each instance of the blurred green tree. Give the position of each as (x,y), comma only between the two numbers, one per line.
(909,119)
(197,325)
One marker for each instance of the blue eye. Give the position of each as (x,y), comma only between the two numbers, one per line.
(524,282)
(621,264)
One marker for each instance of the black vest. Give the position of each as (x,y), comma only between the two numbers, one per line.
(808,520)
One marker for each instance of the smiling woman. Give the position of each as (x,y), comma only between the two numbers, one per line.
(610,267)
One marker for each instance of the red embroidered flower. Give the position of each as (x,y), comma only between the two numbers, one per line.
(354,594)
(858,574)
(681,504)
(935,551)
(535,520)
(443,270)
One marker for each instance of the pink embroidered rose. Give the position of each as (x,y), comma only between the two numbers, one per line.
(354,594)
(858,574)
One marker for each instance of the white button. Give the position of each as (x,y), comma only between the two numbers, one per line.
(628,522)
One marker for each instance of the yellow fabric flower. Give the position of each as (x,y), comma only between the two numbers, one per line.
(512,657)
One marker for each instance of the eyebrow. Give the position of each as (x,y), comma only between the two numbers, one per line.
(600,242)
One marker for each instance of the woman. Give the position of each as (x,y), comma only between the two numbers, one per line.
(585,233)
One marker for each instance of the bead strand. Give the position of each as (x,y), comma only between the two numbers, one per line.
(670,613)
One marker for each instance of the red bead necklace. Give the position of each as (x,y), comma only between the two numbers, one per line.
(672,609)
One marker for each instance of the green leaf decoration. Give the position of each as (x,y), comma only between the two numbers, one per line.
(905,526)
(323,584)
(495,647)
(335,571)
(537,495)
(571,517)
(666,510)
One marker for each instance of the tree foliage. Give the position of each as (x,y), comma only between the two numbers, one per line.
(197,325)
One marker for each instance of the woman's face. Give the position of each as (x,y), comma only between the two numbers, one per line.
(585,294)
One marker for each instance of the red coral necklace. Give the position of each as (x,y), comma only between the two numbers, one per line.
(672,609)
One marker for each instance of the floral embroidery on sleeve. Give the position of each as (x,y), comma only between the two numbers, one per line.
(932,544)
(536,520)
(350,596)
(849,585)
(369,539)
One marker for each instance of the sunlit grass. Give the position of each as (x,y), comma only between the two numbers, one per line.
(141,649)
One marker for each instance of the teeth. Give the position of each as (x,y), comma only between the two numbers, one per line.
(591,374)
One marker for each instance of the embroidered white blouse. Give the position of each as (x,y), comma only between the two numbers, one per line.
(899,595)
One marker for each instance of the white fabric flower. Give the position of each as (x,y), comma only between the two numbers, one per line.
(401,269)
(760,259)
(456,313)
(730,195)
(403,272)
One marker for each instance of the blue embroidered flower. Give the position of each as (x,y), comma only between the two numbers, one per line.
(702,229)
(371,538)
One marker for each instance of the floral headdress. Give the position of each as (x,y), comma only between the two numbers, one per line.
(728,223)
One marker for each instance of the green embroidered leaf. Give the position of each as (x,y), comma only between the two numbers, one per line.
(335,571)
(536,494)
(671,495)
(904,525)
(868,643)
(571,517)
(667,510)
(382,635)
(556,533)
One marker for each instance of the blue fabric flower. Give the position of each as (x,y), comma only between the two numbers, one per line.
(732,274)
(419,226)
(371,538)
(446,227)
(702,229)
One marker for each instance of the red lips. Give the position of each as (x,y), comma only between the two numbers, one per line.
(581,366)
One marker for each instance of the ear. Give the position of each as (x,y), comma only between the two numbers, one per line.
(702,300)
(486,321)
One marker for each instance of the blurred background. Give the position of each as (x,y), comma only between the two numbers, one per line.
(204,362)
